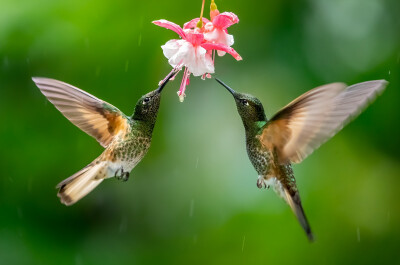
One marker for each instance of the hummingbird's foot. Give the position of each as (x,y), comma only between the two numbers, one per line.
(262,183)
(125,176)
(120,174)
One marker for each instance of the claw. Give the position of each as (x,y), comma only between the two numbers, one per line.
(260,183)
(124,176)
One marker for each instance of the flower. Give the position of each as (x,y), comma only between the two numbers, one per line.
(195,48)
(215,31)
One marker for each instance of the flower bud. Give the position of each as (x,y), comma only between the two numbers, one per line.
(213,10)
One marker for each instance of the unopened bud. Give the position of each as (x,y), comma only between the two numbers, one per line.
(199,23)
(213,10)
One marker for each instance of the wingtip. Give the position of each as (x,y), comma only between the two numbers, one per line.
(64,198)
(310,236)
(37,80)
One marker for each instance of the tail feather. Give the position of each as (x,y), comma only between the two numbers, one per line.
(295,203)
(81,183)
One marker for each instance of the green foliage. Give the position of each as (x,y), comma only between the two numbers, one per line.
(193,199)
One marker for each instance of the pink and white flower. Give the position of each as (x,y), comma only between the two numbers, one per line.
(215,31)
(194,50)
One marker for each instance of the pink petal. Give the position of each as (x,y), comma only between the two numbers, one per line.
(170,25)
(225,20)
(193,23)
(184,83)
(222,47)
(195,38)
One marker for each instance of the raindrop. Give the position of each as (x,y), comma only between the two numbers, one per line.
(197,162)
(191,209)
(389,72)
(126,66)
(140,39)
(244,239)
(194,239)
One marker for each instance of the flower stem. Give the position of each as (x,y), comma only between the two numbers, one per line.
(200,23)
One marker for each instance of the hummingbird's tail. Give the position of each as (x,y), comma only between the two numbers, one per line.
(295,203)
(81,183)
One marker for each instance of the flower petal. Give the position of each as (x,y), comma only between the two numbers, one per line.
(222,47)
(171,48)
(200,62)
(170,25)
(184,53)
(219,36)
(193,23)
(225,20)
(195,38)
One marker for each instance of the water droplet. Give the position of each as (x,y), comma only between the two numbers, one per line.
(244,239)
(191,208)
(140,39)
(126,65)
(197,162)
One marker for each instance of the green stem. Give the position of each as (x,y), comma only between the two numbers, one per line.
(200,23)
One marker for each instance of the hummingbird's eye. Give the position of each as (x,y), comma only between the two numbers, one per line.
(244,102)
(145,100)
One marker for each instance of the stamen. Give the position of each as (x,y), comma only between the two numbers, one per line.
(181,92)
(200,23)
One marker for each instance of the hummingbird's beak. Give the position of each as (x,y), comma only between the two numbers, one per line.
(233,92)
(165,81)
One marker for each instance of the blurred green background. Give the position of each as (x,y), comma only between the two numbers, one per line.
(193,199)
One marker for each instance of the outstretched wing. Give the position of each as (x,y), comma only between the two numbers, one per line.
(311,119)
(92,115)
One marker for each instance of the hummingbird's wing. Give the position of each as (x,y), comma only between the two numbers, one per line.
(311,119)
(92,115)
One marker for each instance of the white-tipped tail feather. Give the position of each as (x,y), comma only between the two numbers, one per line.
(81,183)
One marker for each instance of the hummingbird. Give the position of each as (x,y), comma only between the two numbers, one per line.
(126,139)
(296,130)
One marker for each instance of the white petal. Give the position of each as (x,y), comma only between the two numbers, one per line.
(185,50)
(170,48)
(221,53)
(201,63)
(195,59)
(229,40)
(212,36)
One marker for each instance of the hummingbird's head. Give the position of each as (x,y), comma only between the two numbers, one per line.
(249,107)
(146,108)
